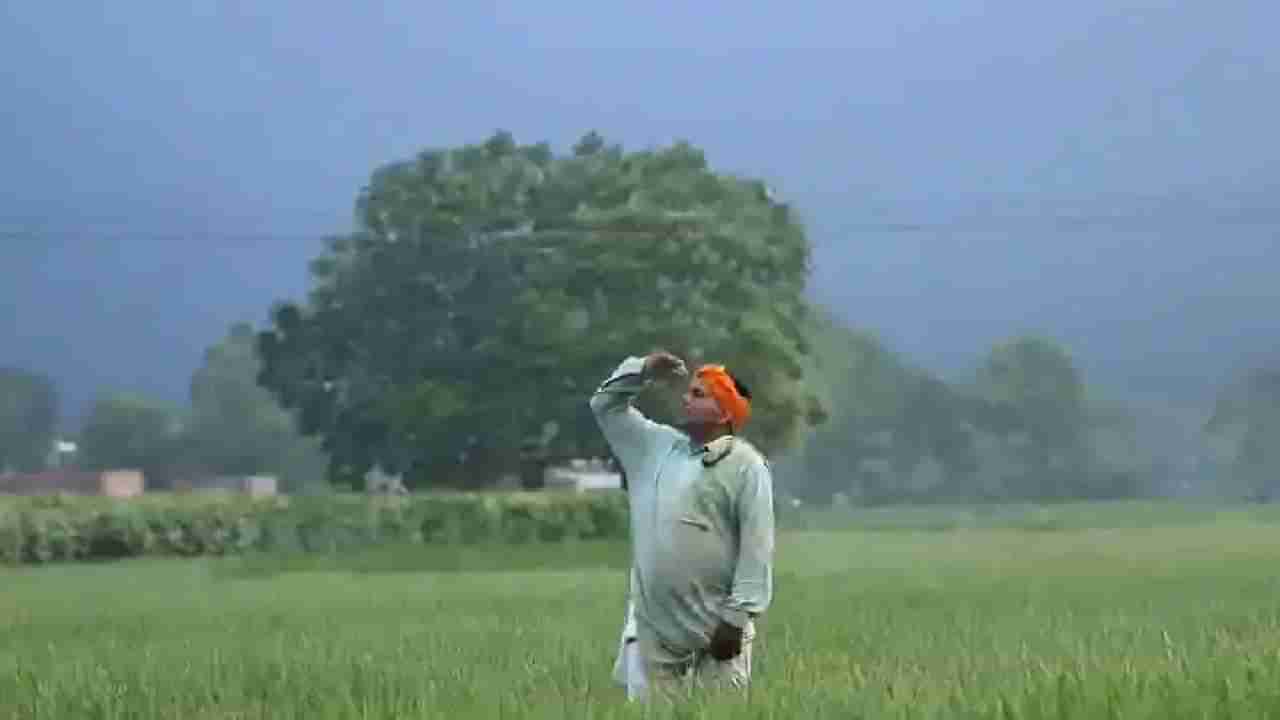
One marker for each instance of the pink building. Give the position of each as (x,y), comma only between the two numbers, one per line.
(111,483)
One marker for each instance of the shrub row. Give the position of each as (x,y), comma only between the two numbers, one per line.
(69,528)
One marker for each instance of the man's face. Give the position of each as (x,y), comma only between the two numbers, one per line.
(700,406)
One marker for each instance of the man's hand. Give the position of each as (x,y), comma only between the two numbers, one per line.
(726,642)
(661,365)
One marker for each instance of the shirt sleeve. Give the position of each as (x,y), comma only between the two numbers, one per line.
(752,589)
(629,433)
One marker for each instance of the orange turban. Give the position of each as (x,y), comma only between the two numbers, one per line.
(725,391)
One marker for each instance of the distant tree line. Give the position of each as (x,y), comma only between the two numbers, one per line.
(232,426)
(1020,429)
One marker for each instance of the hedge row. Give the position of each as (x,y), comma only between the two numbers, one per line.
(62,528)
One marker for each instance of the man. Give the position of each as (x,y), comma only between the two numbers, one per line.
(702,529)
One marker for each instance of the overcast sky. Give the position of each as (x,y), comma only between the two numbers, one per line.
(165,168)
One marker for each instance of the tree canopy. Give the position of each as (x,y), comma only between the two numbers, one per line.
(1030,392)
(489,288)
(1249,408)
(124,431)
(236,427)
(28,419)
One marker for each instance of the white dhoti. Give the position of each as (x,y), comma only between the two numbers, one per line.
(628,667)
(632,667)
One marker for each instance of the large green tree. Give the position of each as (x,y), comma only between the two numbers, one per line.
(1031,394)
(489,287)
(236,427)
(1249,410)
(936,423)
(28,419)
(128,432)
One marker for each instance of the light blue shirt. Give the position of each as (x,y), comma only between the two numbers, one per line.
(702,523)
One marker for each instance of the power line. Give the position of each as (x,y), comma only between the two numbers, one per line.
(68,237)
(15,232)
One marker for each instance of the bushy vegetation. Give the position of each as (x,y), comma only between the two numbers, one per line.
(62,528)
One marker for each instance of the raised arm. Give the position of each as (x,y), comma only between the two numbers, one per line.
(629,433)
(752,589)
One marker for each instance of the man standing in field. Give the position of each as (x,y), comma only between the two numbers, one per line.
(702,528)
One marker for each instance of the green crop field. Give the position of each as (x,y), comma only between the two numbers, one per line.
(1083,612)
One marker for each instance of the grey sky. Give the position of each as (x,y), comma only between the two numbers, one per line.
(208,143)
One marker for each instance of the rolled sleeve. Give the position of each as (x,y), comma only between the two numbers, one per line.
(628,432)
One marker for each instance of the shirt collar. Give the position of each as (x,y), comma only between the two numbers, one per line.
(712,452)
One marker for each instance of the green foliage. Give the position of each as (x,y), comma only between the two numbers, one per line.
(936,422)
(236,426)
(54,529)
(232,427)
(490,287)
(28,419)
(1032,396)
(886,419)
(130,432)
(1024,430)
(1030,384)
(862,384)
(1249,409)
